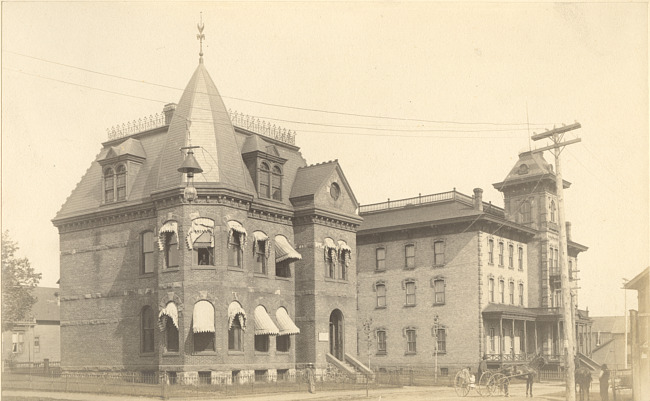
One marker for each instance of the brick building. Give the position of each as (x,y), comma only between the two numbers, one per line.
(450,275)
(243,269)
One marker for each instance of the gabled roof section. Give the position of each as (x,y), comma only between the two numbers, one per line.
(132,147)
(310,179)
(530,167)
(639,282)
(608,324)
(201,117)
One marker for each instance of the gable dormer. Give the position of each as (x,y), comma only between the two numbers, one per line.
(265,166)
(120,166)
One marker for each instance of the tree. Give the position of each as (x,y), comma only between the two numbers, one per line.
(18,281)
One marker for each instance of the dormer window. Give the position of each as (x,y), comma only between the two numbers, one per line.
(120,180)
(264,177)
(276,183)
(109,185)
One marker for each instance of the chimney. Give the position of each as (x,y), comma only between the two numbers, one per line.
(568,231)
(169,110)
(478,199)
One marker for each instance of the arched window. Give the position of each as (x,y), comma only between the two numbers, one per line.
(171,250)
(203,326)
(120,179)
(553,209)
(264,180)
(169,322)
(276,183)
(109,185)
(236,325)
(147,330)
(147,245)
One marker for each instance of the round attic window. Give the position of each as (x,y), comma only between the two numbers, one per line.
(335,191)
(523,169)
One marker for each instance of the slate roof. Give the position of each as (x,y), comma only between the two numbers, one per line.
(220,156)
(310,178)
(46,306)
(608,324)
(536,168)
(202,118)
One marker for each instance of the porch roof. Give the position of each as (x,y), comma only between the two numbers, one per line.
(509,312)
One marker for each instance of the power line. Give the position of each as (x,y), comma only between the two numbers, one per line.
(272,118)
(275,104)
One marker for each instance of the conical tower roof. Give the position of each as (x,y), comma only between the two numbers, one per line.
(201,117)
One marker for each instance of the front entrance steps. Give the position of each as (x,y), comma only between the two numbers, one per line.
(351,367)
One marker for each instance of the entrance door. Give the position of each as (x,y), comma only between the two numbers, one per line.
(336,334)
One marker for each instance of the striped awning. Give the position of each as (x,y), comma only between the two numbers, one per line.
(286,325)
(203,317)
(170,311)
(284,250)
(344,251)
(343,247)
(200,227)
(236,311)
(170,226)
(235,227)
(330,249)
(263,323)
(260,239)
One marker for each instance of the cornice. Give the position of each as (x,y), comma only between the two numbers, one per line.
(99,218)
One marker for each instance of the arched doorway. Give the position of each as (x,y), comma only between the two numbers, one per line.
(336,334)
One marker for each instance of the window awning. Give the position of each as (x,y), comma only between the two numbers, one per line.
(236,311)
(286,325)
(344,251)
(200,227)
(330,249)
(284,250)
(170,311)
(263,323)
(260,237)
(170,226)
(236,227)
(203,317)
(343,247)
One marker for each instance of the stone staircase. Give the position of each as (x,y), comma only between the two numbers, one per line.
(351,368)
(588,362)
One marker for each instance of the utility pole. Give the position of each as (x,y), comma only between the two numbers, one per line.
(556,135)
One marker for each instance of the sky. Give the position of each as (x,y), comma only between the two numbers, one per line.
(410,97)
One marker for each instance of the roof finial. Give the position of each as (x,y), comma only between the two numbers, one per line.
(200,36)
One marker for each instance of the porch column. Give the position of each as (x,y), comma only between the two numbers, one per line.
(512,340)
(525,340)
(536,344)
(501,341)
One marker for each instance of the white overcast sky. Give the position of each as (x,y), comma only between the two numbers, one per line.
(454,65)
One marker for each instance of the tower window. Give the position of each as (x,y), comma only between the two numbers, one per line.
(147,245)
(525,212)
(276,183)
(265,180)
(234,251)
(171,250)
(120,179)
(109,185)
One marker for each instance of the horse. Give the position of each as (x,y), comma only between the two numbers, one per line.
(583,381)
(529,371)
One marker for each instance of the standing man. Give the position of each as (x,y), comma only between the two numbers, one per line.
(604,383)
(482,367)
(311,380)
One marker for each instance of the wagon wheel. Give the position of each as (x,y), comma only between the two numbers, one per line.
(482,388)
(461,384)
(495,384)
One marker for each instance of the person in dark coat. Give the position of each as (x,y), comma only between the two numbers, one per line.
(604,383)
(482,368)
(311,379)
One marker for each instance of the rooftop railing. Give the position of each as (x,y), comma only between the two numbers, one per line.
(429,199)
(241,120)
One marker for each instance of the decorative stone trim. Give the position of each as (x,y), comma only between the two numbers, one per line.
(92,220)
